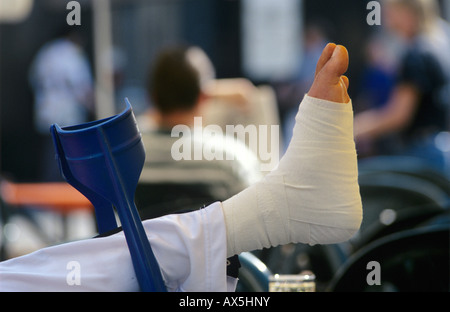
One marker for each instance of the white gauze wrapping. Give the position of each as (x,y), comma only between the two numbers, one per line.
(312,196)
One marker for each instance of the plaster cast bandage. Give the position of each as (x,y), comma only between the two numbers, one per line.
(312,196)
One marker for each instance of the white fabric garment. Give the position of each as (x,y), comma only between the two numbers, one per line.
(190,249)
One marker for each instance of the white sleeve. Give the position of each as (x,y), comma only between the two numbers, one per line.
(190,249)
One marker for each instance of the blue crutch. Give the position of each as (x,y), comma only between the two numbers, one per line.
(103,160)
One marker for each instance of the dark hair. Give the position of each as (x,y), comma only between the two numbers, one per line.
(174,83)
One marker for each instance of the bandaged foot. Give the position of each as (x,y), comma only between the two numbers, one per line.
(313,195)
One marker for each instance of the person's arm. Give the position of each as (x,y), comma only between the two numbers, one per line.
(395,116)
(237,91)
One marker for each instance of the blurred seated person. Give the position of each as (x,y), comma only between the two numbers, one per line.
(187,167)
(235,102)
(416,110)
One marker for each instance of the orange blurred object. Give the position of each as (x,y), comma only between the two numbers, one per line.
(57,196)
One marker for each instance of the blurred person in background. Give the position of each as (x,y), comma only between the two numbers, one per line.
(62,82)
(178,88)
(377,82)
(417,109)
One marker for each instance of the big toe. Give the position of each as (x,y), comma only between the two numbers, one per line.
(336,66)
(329,82)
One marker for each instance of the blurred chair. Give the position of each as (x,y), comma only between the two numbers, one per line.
(157,199)
(409,166)
(381,191)
(397,195)
(412,260)
(253,274)
(391,221)
(394,201)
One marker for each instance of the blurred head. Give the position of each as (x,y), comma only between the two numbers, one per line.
(176,80)
(409,18)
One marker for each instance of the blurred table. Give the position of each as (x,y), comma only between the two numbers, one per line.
(56,196)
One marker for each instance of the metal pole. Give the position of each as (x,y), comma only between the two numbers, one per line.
(104,83)
(446,9)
